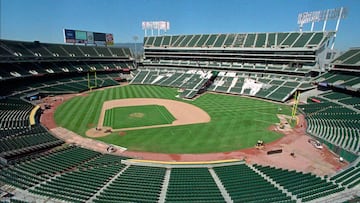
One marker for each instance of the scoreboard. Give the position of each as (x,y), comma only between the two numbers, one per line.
(87,37)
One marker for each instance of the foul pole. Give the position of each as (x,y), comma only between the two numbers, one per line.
(89,80)
(295,105)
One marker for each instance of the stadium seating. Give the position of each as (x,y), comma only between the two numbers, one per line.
(334,123)
(192,185)
(77,175)
(38,59)
(351,57)
(274,86)
(191,81)
(258,40)
(242,183)
(105,159)
(68,83)
(77,186)
(33,171)
(279,69)
(306,187)
(14,146)
(14,114)
(349,177)
(136,183)
(340,79)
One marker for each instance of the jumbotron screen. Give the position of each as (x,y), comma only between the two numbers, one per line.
(86,37)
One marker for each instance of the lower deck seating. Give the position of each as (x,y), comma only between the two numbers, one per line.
(306,187)
(17,137)
(269,86)
(34,170)
(14,114)
(242,183)
(191,81)
(333,123)
(348,178)
(344,98)
(192,185)
(135,184)
(12,146)
(74,174)
(77,186)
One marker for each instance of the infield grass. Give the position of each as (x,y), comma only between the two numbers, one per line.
(137,116)
(236,122)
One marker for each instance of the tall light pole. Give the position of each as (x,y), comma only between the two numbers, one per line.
(323,16)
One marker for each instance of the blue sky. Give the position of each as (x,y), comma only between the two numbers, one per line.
(44,20)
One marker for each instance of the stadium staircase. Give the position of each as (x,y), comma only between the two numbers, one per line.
(221,187)
(107,185)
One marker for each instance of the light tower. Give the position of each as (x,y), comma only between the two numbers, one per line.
(322,16)
(155,25)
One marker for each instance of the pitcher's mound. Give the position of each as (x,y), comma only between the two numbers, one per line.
(136,115)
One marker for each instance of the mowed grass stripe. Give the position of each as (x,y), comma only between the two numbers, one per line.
(165,113)
(68,119)
(94,110)
(62,111)
(236,122)
(82,124)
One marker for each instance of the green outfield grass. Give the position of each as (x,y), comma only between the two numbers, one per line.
(137,116)
(236,122)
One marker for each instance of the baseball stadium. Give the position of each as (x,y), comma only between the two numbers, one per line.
(222,117)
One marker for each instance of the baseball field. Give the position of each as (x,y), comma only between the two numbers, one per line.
(236,122)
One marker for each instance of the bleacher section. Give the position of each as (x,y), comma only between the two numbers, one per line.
(33,140)
(346,80)
(306,187)
(192,185)
(296,49)
(27,59)
(270,68)
(257,40)
(75,174)
(63,83)
(349,177)
(335,122)
(268,86)
(349,58)
(77,186)
(242,183)
(266,65)
(14,114)
(33,171)
(136,183)
(37,49)
(190,81)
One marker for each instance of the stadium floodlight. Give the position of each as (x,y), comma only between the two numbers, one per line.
(155,25)
(325,15)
